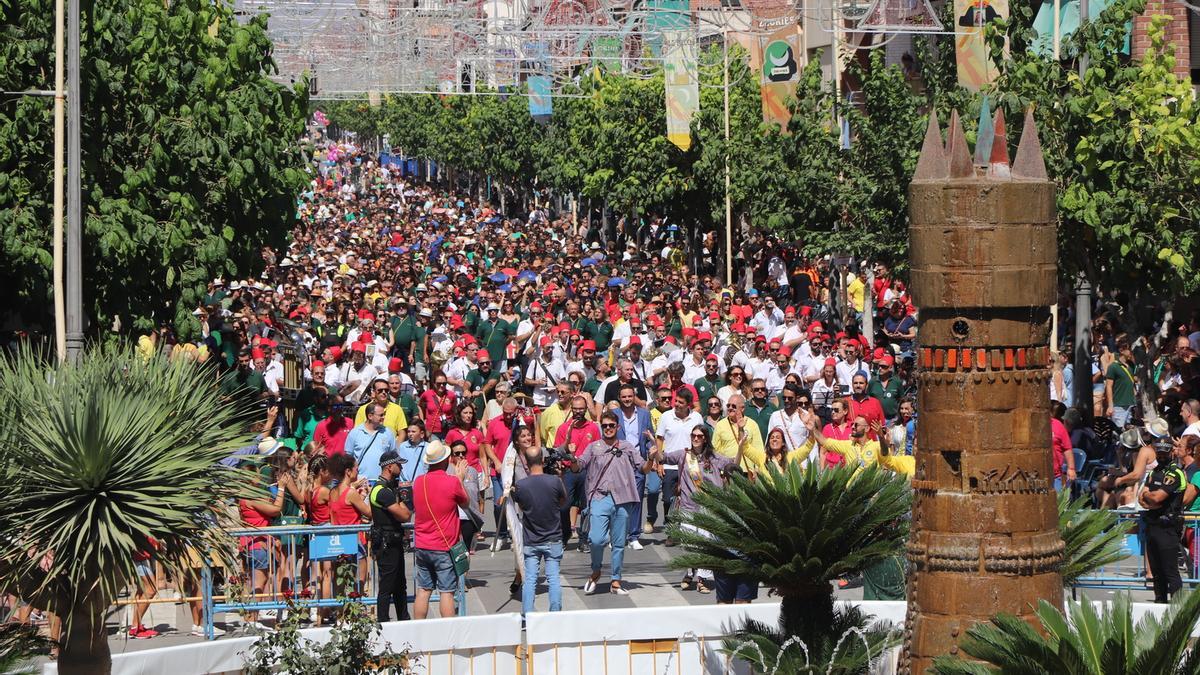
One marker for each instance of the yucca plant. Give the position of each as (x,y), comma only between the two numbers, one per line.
(1091,537)
(796,531)
(102,457)
(1088,642)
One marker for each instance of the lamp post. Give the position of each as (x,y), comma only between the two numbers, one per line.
(74,244)
(728,202)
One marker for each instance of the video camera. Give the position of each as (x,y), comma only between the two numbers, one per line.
(557,462)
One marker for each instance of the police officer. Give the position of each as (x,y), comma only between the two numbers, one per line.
(1162,520)
(388,515)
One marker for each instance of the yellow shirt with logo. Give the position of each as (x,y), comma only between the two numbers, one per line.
(393,418)
(868,453)
(725,443)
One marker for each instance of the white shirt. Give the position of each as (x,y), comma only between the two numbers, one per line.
(537,369)
(822,392)
(795,434)
(1193,429)
(273,373)
(692,371)
(760,368)
(677,433)
(846,372)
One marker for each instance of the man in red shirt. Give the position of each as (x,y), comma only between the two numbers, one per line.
(1061,447)
(864,404)
(332,431)
(573,437)
(436,498)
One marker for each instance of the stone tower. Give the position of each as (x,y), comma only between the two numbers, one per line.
(984,269)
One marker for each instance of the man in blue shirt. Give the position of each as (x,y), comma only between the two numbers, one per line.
(412,453)
(368,441)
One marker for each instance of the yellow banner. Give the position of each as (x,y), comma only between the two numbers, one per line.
(681,84)
(780,59)
(975,69)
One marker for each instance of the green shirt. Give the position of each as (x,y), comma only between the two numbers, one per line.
(409,405)
(601,332)
(403,332)
(1122,384)
(494,337)
(706,389)
(760,417)
(477,379)
(888,394)
(251,384)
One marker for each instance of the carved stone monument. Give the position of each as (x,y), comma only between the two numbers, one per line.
(984,267)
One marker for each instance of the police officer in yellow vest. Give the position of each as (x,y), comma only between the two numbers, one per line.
(1162,521)
(388,515)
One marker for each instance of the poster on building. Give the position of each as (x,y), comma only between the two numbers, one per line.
(682,86)
(975,68)
(779,54)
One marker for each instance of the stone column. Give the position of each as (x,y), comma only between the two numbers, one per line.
(984,267)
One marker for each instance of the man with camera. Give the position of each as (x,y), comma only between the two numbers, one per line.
(540,498)
(611,491)
(389,512)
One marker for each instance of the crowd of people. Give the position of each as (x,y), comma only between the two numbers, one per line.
(437,359)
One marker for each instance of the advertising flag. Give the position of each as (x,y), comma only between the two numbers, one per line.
(975,69)
(682,86)
(780,59)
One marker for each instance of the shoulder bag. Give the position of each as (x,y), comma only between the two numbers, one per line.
(584,524)
(458,552)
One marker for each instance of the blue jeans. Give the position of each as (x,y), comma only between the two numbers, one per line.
(497,510)
(609,517)
(552,553)
(635,514)
(654,488)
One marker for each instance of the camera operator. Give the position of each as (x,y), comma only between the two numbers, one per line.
(611,491)
(388,515)
(540,498)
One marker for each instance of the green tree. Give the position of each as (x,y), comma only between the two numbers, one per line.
(102,459)
(1087,642)
(797,531)
(190,158)
(1122,143)
(1091,537)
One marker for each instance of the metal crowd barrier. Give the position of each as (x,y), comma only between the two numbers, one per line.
(292,544)
(1130,573)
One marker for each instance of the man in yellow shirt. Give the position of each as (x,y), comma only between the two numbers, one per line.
(737,436)
(862,450)
(856,289)
(555,414)
(393,416)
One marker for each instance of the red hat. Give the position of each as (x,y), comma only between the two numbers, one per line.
(704,336)
(840,336)
(635,320)
(886,360)
(697,320)
(831,361)
(790,311)
(712,357)
(715,316)
(670,338)
(588,344)
(776,340)
(574,332)
(535,305)
(335,352)
(483,355)
(690,332)
(394,364)
(546,339)
(785,350)
(358,347)
(318,364)
(760,338)
(880,352)
(635,340)
(816,324)
(257,353)
(805,310)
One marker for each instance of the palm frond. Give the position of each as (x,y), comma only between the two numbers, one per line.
(794,527)
(104,456)
(1171,637)
(1091,537)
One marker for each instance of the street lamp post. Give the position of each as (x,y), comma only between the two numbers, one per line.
(74,272)
(728,202)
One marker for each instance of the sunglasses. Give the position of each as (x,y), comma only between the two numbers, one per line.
(608,425)
(698,436)
(458,454)
(758,389)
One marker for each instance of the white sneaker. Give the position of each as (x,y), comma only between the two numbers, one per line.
(313,615)
(635,545)
(198,631)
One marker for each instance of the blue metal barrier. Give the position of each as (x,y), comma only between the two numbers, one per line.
(1130,573)
(291,543)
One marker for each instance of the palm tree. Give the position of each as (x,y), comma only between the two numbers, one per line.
(103,458)
(796,531)
(1086,643)
(1091,537)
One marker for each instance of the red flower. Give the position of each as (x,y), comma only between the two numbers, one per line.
(354,595)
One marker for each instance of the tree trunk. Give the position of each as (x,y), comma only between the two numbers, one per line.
(807,616)
(85,645)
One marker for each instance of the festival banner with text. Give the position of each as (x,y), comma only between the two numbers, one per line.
(541,105)
(780,59)
(681,84)
(975,68)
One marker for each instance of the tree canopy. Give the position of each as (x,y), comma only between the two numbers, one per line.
(1120,141)
(191,159)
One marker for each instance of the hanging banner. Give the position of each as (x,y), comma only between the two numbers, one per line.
(779,56)
(541,105)
(682,86)
(975,69)
(606,54)
(664,15)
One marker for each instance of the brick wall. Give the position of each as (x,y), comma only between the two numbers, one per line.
(1177,33)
